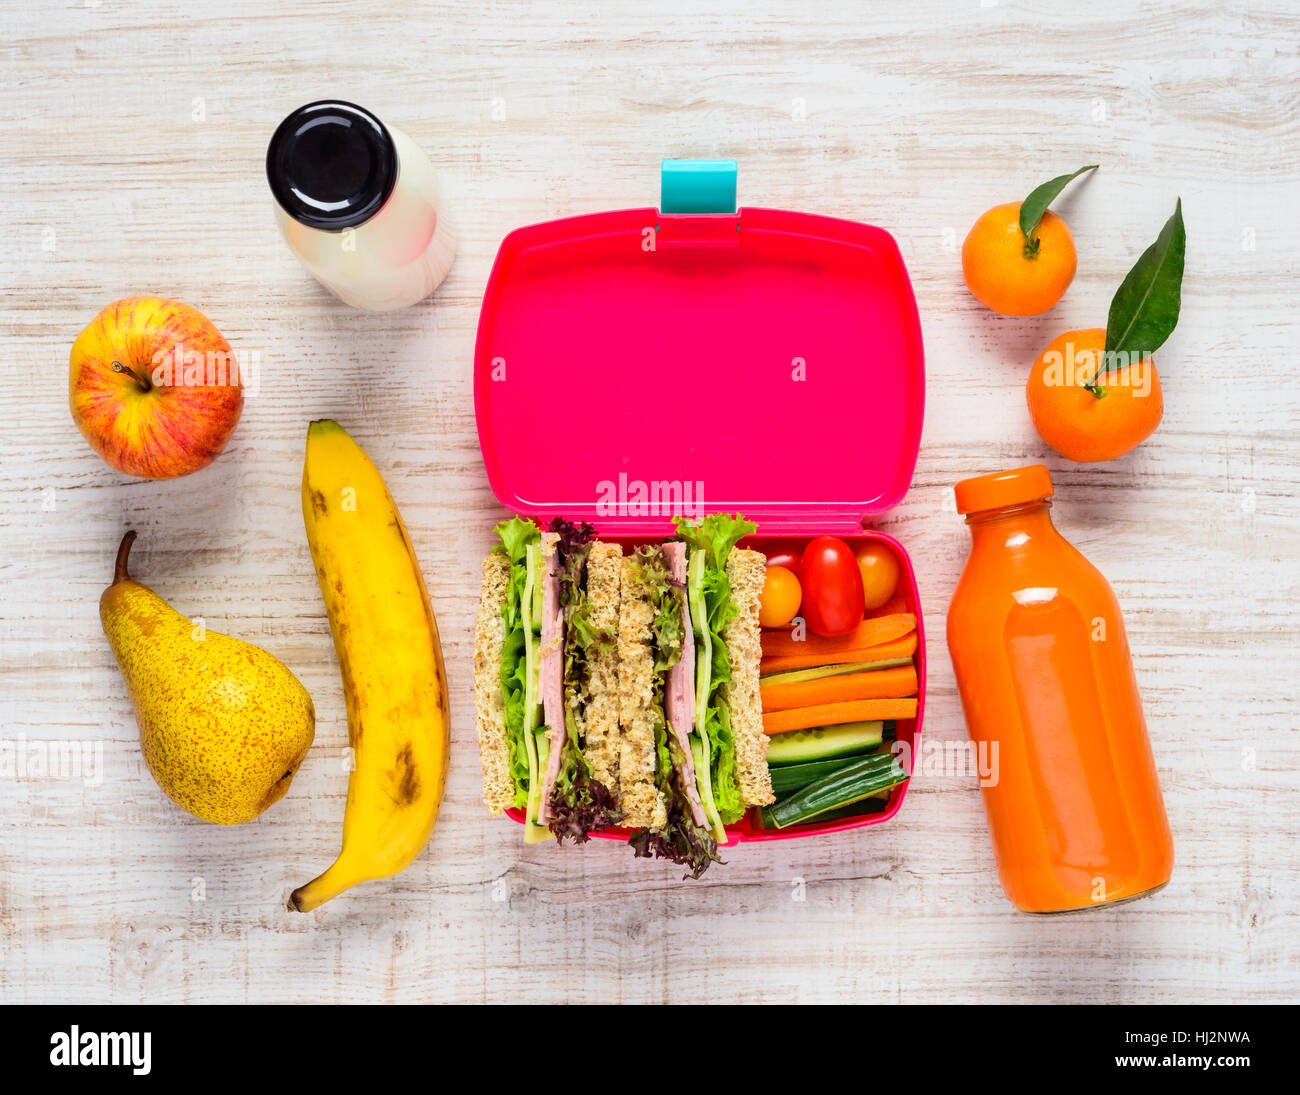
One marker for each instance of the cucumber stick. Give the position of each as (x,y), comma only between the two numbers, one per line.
(534,832)
(532,642)
(821,672)
(788,778)
(704,784)
(533,696)
(534,600)
(823,742)
(855,780)
(701,745)
(700,623)
(872,804)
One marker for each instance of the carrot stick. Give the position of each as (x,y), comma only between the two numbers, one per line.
(832,714)
(868,633)
(892,607)
(899,648)
(873,685)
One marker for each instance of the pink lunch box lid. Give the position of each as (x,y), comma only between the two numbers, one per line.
(761,361)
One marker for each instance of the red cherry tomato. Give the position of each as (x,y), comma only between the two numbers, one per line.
(783,554)
(832,587)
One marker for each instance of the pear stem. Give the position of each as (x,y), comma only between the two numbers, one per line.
(123,550)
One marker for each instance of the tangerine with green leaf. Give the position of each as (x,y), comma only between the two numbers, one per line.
(1084,415)
(1019,258)
(1095,394)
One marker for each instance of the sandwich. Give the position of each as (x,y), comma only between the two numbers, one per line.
(619,688)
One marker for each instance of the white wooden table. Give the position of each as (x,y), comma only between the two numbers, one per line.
(131,145)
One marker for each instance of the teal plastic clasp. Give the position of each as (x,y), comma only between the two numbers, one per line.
(697,186)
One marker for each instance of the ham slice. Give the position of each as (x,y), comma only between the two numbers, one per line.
(552,668)
(680,693)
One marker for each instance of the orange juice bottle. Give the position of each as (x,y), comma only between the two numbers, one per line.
(1046,681)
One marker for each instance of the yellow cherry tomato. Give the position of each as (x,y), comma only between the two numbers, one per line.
(879,569)
(779,602)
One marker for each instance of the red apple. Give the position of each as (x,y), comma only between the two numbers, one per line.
(154,387)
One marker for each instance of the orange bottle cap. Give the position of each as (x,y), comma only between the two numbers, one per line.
(1003,488)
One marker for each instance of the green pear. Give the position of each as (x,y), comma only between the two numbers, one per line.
(223,724)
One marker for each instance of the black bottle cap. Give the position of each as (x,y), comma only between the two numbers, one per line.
(331,165)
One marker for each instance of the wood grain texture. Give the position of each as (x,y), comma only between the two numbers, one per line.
(131,144)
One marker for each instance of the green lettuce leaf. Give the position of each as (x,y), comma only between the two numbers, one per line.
(715,536)
(516,534)
(666,627)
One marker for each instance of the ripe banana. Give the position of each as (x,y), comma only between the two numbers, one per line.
(387,644)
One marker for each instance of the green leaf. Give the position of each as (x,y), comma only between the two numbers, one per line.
(516,534)
(1145,308)
(716,534)
(514,672)
(1034,206)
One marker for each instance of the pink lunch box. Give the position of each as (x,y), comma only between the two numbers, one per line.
(637,364)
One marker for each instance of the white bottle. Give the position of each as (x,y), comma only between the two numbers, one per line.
(358,203)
